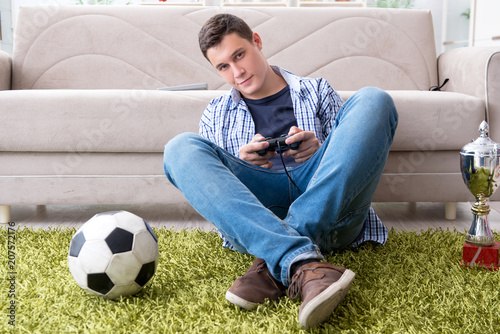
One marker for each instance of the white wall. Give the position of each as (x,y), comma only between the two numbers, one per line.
(436,8)
(6,42)
(456,27)
(486,17)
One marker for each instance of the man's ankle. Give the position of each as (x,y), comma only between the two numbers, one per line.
(298,264)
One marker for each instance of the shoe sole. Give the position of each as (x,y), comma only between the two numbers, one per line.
(321,307)
(238,301)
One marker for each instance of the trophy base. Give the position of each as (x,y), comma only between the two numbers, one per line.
(486,257)
(480,240)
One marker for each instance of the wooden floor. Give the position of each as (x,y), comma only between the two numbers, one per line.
(404,216)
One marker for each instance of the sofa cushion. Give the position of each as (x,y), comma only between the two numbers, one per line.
(65,164)
(143,121)
(113,47)
(98,120)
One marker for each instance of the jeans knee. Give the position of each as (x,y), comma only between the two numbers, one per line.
(176,148)
(382,99)
(178,144)
(376,94)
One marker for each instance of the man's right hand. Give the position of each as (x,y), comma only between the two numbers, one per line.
(248,152)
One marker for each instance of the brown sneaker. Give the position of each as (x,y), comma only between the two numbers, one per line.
(254,287)
(322,286)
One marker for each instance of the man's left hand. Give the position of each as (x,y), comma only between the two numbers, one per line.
(307,148)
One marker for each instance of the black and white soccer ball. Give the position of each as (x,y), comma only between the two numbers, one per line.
(113,254)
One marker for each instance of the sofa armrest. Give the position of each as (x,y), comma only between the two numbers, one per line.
(474,71)
(5,70)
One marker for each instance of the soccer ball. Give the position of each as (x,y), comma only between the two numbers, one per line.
(113,254)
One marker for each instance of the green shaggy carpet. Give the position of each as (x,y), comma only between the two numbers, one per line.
(412,285)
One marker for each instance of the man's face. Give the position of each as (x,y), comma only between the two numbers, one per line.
(241,64)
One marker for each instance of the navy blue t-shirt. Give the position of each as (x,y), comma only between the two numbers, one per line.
(274,116)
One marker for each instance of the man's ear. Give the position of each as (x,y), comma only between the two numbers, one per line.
(257,41)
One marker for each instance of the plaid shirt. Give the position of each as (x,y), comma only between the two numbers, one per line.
(227,122)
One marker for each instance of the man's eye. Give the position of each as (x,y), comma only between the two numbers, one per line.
(222,67)
(239,55)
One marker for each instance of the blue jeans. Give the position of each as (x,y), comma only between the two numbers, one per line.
(260,212)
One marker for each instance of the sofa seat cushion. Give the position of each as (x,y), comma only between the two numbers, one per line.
(85,164)
(143,121)
(97,120)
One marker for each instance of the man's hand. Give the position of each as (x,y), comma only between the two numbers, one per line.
(307,148)
(248,152)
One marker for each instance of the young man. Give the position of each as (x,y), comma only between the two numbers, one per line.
(287,218)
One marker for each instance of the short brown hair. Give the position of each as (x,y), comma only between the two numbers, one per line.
(220,25)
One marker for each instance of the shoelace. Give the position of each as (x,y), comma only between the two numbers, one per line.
(295,288)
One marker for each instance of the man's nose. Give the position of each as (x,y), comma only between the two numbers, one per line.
(238,71)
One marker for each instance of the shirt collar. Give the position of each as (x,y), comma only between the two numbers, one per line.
(292,80)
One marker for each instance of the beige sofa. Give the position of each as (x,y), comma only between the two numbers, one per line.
(81,121)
